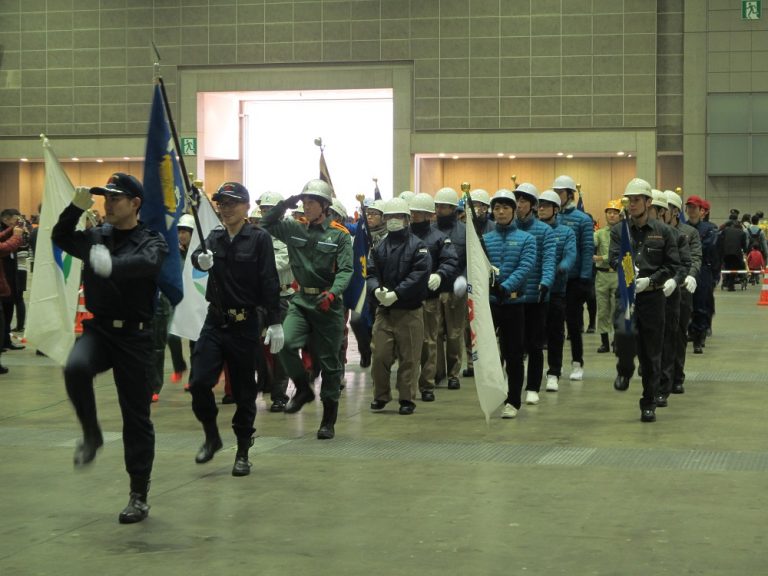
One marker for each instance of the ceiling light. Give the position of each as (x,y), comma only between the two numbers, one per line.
(442,154)
(559,153)
(455,157)
(99,160)
(126,157)
(569,156)
(75,159)
(500,154)
(24,159)
(512,156)
(619,153)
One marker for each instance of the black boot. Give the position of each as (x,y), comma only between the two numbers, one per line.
(211,445)
(242,466)
(606,345)
(330,412)
(698,344)
(303,395)
(85,450)
(137,508)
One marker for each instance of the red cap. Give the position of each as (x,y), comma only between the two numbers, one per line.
(706,205)
(696,201)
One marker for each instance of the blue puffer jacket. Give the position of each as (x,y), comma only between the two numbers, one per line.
(513,252)
(582,227)
(565,256)
(544,270)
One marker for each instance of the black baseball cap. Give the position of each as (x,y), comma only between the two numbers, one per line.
(120,183)
(232,190)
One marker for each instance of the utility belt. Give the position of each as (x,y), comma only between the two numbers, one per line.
(121,324)
(231,315)
(314,291)
(606,270)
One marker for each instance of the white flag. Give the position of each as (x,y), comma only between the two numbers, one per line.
(490,380)
(56,277)
(189,314)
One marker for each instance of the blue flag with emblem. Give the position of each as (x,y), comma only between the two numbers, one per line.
(355,294)
(626,271)
(163,201)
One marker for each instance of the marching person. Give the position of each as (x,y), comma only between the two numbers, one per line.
(122,262)
(675,204)
(657,260)
(320,252)
(606,281)
(277,376)
(185,227)
(513,253)
(444,270)
(243,292)
(580,276)
(398,276)
(453,297)
(535,293)
(565,256)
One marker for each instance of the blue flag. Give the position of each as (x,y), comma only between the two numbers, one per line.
(163,202)
(355,294)
(376,192)
(580,203)
(626,273)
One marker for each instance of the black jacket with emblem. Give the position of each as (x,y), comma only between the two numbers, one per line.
(445,262)
(400,262)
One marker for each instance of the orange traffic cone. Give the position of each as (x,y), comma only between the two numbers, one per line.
(82,312)
(763,301)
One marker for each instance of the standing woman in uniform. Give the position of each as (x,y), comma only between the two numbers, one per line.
(122,262)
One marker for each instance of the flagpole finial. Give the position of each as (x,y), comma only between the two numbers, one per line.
(319,143)
(375,180)
(578,187)
(155,60)
(679,191)
(465,187)
(514,179)
(360,197)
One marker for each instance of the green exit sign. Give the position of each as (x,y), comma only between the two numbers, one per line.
(189,146)
(751,9)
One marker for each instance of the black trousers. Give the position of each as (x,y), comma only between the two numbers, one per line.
(669,353)
(703,307)
(509,322)
(681,345)
(128,352)
(535,336)
(649,313)
(238,345)
(624,341)
(555,333)
(574,317)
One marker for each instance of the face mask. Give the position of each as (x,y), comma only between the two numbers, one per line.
(420,226)
(445,221)
(395,225)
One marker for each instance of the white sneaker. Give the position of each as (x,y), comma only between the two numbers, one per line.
(577,373)
(509,411)
(552,383)
(531,397)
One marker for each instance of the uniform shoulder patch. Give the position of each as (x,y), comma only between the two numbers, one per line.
(338,226)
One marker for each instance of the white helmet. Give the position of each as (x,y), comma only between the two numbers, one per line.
(319,189)
(447,196)
(396,206)
(255,213)
(674,199)
(550,196)
(186,221)
(481,196)
(270,198)
(638,187)
(406,195)
(565,182)
(377,205)
(659,199)
(504,194)
(339,208)
(422,202)
(529,190)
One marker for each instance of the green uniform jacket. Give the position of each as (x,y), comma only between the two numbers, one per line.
(321,255)
(602,245)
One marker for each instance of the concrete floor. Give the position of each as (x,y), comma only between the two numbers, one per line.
(576,485)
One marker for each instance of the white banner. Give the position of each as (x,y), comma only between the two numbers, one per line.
(189,315)
(490,379)
(56,277)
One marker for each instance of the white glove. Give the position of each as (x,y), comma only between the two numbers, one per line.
(434,281)
(460,286)
(388,298)
(101,260)
(669,287)
(690,284)
(275,338)
(83,198)
(379,293)
(642,284)
(205,260)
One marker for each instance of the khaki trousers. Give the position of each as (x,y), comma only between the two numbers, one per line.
(453,317)
(606,284)
(429,348)
(397,335)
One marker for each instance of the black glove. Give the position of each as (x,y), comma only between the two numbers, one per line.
(543,291)
(292,201)
(498,290)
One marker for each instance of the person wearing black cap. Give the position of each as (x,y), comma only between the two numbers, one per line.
(243,288)
(122,262)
